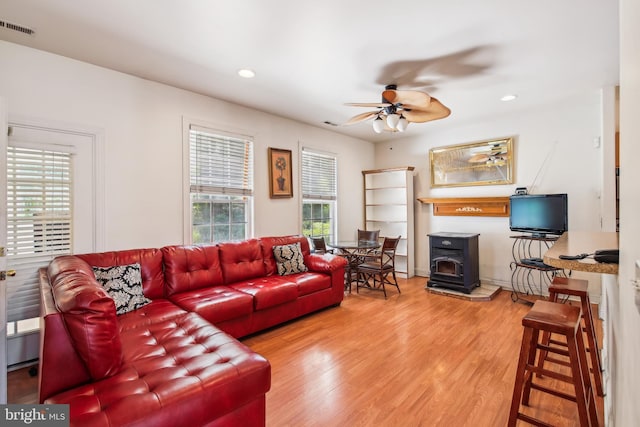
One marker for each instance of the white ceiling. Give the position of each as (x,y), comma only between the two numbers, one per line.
(311,57)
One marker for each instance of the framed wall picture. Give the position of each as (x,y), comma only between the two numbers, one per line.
(280,173)
(479,163)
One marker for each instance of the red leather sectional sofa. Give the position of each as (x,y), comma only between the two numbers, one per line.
(175,361)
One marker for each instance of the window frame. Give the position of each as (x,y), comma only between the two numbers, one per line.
(315,199)
(188,218)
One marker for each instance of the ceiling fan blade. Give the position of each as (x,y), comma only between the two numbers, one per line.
(369,104)
(435,111)
(361,117)
(408,98)
(478,158)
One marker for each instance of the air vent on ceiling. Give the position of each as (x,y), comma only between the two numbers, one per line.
(16,27)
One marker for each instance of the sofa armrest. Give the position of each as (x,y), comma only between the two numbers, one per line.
(58,357)
(324,263)
(89,314)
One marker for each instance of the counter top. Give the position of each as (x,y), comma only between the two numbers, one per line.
(580,242)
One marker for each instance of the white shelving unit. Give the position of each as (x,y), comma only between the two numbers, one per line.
(388,203)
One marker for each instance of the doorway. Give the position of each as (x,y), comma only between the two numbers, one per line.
(51,201)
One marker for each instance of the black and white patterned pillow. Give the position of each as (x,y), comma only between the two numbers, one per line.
(123,283)
(289,259)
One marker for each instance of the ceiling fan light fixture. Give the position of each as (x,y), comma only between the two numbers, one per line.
(402,124)
(392,120)
(378,125)
(398,108)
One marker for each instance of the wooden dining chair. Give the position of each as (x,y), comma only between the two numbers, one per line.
(379,269)
(320,246)
(368,235)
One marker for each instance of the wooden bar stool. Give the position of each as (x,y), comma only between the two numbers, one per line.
(561,319)
(578,288)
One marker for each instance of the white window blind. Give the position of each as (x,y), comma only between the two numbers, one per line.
(39,221)
(319,176)
(220,185)
(220,164)
(319,194)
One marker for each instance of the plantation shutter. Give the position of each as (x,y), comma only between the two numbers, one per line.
(39,221)
(319,176)
(219,164)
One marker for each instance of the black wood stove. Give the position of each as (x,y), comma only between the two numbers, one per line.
(454,261)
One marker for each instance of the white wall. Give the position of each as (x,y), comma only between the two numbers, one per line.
(564,133)
(142,125)
(625,312)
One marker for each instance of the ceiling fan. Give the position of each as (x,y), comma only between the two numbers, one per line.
(399,108)
(491,154)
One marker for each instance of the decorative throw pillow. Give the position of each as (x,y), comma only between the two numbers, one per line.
(123,283)
(289,259)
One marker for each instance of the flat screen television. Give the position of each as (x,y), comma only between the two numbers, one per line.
(539,214)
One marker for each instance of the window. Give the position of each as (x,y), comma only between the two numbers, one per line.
(220,186)
(319,194)
(39,222)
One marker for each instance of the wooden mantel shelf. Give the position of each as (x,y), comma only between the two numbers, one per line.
(468,206)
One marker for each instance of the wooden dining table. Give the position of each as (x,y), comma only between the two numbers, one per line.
(353,251)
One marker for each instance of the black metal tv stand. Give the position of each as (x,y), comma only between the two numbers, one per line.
(530,276)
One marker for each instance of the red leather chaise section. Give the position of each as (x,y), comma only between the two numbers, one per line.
(175,373)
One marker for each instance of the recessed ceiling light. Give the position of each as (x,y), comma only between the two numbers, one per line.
(246,73)
(508,97)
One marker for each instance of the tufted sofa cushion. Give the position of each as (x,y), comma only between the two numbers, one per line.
(241,260)
(191,267)
(89,314)
(180,371)
(216,304)
(156,311)
(269,292)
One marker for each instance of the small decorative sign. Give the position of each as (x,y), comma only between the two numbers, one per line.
(468,209)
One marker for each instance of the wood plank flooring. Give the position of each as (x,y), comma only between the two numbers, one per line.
(416,359)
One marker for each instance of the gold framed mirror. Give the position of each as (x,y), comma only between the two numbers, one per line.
(487,162)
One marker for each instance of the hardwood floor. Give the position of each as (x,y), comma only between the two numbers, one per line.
(22,387)
(416,359)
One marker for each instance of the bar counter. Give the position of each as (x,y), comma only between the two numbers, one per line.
(579,242)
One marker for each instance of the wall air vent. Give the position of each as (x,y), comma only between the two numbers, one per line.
(15,27)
